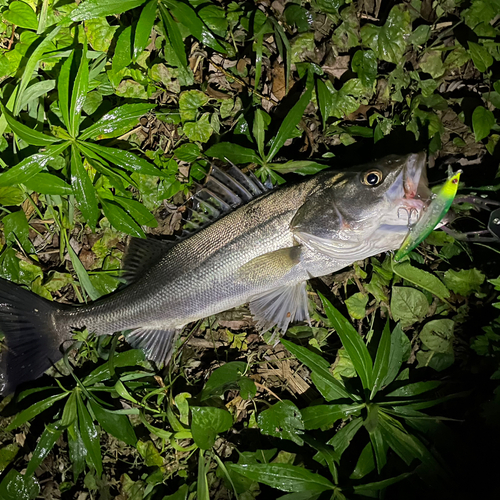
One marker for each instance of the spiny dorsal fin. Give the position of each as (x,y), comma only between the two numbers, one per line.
(221,194)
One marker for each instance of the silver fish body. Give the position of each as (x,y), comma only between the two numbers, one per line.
(262,253)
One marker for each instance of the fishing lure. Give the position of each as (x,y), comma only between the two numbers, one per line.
(431,217)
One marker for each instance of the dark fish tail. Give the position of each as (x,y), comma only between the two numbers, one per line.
(32,341)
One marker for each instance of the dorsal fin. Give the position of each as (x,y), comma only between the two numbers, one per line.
(221,194)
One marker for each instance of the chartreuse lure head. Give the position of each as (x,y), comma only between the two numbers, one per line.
(431,217)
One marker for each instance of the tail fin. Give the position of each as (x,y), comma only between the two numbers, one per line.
(31,342)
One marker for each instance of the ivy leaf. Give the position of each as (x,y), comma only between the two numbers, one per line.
(389,41)
(91,9)
(282,420)
(364,63)
(21,14)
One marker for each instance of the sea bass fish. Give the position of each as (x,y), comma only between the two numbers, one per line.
(261,253)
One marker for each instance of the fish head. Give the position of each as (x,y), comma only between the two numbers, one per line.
(364,210)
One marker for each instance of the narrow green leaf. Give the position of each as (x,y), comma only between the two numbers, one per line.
(28,134)
(44,183)
(90,437)
(353,343)
(234,153)
(79,93)
(119,219)
(365,463)
(325,99)
(341,440)
(318,416)
(17,229)
(36,90)
(318,365)
(64,86)
(302,167)
(292,119)
(47,441)
(90,9)
(137,211)
(423,279)
(414,389)
(144,27)
(381,365)
(116,424)
(130,358)
(125,159)
(34,410)
(186,15)
(31,166)
(395,356)
(259,131)
(368,489)
(83,188)
(77,449)
(31,66)
(284,477)
(123,50)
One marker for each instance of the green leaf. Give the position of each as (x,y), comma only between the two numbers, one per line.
(16,228)
(284,477)
(90,437)
(125,159)
(44,183)
(318,416)
(465,281)
(144,27)
(389,41)
(114,423)
(207,422)
(81,272)
(356,305)
(83,189)
(34,410)
(189,103)
(130,358)
(341,440)
(138,211)
(482,122)
(32,65)
(150,454)
(423,279)
(398,338)
(318,366)
(282,420)
(119,219)
(21,14)
(365,463)
(11,196)
(437,335)
(123,50)
(259,130)
(187,16)
(325,93)
(381,366)
(364,63)
(79,93)
(89,9)
(77,450)
(368,489)
(200,130)
(28,134)
(47,441)
(376,439)
(234,153)
(222,379)
(414,389)
(292,119)
(353,343)
(63,87)
(15,486)
(302,167)
(25,169)
(408,305)
(481,58)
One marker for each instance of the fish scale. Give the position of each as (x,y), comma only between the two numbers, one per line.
(262,252)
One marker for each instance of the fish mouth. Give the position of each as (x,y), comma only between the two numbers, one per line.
(417,194)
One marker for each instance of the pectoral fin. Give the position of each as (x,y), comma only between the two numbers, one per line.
(272,265)
(280,307)
(157,344)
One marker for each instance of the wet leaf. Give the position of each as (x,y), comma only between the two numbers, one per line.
(120,219)
(282,420)
(11,196)
(79,92)
(116,424)
(144,27)
(318,416)
(223,378)
(17,229)
(137,211)
(123,50)
(90,437)
(44,183)
(382,360)
(342,438)
(47,441)
(235,153)
(15,486)
(365,463)
(149,453)
(389,41)
(364,63)
(284,477)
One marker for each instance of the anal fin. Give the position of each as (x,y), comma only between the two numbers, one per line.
(156,343)
(280,307)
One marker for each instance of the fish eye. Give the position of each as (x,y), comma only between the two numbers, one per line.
(372,178)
